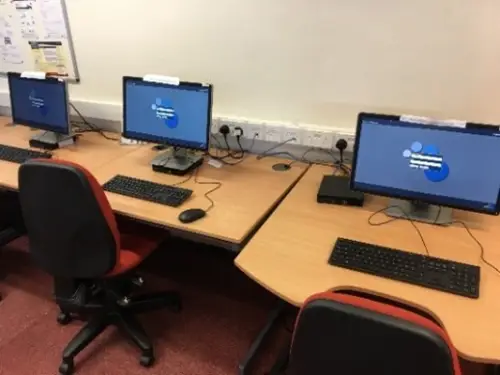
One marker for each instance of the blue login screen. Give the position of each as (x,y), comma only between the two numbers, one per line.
(39,103)
(175,115)
(421,162)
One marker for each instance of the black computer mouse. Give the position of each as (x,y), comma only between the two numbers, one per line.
(191,215)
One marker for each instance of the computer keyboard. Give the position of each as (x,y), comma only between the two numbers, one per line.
(434,273)
(20,155)
(147,190)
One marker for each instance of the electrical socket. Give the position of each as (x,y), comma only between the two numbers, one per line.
(349,137)
(254,129)
(289,132)
(273,134)
(214,129)
(321,138)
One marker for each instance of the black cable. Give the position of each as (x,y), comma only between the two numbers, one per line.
(240,160)
(218,185)
(91,127)
(184,181)
(478,243)
(233,155)
(266,152)
(396,218)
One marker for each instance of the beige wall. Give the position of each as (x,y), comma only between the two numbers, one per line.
(311,61)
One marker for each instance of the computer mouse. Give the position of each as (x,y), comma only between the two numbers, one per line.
(191,215)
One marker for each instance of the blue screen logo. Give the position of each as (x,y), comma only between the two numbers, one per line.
(428,159)
(165,112)
(38,102)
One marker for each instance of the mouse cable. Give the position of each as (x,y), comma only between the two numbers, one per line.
(481,254)
(217,186)
(376,224)
(182,182)
(90,127)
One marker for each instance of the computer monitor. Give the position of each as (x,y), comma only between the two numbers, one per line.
(40,103)
(175,115)
(427,167)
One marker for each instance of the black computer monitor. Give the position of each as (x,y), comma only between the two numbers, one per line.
(174,115)
(427,167)
(40,103)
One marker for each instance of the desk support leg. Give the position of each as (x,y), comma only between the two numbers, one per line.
(274,316)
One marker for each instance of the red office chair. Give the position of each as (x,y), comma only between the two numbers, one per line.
(350,335)
(74,236)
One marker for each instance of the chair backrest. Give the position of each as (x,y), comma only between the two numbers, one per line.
(71,228)
(350,335)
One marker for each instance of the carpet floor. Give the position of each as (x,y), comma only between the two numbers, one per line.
(223,311)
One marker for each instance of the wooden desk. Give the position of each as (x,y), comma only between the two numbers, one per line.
(289,254)
(249,192)
(91,150)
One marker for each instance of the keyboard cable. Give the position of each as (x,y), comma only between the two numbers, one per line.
(396,218)
(481,248)
(483,258)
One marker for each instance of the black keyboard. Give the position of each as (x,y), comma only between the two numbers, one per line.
(20,155)
(426,271)
(147,190)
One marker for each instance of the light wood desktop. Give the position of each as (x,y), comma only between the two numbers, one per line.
(91,150)
(289,254)
(249,192)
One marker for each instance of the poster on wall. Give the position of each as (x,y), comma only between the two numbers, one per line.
(35,36)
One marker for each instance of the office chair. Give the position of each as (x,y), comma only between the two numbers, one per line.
(11,221)
(75,237)
(346,334)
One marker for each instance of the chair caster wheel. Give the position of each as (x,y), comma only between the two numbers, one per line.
(64,318)
(67,367)
(147,360)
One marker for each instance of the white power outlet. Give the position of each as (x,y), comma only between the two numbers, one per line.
(321,138)
(254,129)
(350,138)
(273,134)
(290,132)
(214,129)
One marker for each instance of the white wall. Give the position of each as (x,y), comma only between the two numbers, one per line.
(313,61)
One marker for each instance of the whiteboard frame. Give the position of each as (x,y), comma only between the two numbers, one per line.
(69,38)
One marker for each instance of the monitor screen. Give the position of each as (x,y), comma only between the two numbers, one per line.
(448,166)
(170,114)
(39,103)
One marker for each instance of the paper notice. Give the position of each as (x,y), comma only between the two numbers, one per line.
(26,16)
(434,122)
(53,19)
(9,52)
(50,57)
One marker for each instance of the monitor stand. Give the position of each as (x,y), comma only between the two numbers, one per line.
(177,161)
(419,211)
(50,141)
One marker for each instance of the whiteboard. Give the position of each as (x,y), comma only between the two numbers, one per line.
(35,36)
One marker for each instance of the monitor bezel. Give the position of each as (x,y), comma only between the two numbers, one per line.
(163,140)
(436,200)
(40,125)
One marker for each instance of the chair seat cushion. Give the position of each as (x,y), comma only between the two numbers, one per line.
(137,243)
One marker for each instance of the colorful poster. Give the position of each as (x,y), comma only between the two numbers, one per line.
(49,57)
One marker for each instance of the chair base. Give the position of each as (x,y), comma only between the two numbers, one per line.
(124,318)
